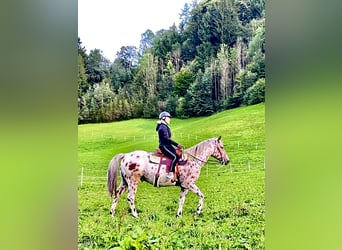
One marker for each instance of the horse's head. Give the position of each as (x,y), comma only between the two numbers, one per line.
(219,152)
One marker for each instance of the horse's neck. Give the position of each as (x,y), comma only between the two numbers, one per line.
(201,151)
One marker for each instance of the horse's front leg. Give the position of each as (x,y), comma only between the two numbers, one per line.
(193,188)
(183,193)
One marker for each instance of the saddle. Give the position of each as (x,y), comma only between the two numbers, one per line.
(161,159)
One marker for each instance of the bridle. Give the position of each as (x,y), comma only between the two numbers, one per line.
(217,147)
(218,158)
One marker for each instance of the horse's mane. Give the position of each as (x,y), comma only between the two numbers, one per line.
(199,148)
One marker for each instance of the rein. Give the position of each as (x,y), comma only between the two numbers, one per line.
(196,158)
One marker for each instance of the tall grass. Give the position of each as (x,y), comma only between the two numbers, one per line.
(233,213)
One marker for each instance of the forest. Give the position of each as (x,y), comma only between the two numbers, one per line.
(213,60)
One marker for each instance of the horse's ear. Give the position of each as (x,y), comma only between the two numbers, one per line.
(219,138)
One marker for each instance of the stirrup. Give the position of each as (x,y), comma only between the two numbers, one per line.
(170,175)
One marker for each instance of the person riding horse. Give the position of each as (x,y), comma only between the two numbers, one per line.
(166,143)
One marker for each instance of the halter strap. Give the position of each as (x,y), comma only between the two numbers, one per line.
(218,148)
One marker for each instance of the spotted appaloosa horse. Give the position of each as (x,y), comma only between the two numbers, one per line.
(136,166)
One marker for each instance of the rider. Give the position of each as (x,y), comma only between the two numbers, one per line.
(165,142)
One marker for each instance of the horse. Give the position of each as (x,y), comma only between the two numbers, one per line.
(136,166)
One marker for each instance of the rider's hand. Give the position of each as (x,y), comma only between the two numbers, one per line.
(179,146)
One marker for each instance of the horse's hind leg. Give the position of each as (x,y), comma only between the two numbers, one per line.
(118,193)
(132,189)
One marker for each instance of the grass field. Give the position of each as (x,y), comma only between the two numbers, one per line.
(233,215)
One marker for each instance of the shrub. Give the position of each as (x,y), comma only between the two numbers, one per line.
(256,93)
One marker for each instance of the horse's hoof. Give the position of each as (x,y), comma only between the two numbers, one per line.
(111,213)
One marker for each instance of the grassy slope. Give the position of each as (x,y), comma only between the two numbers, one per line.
(233,214)
(98,143)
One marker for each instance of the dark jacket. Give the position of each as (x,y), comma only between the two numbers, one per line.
(164,134)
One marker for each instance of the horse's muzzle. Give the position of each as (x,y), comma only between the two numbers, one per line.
(224,161)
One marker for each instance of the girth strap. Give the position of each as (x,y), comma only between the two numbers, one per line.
(157,174)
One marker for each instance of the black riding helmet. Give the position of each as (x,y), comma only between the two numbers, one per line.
(164,114)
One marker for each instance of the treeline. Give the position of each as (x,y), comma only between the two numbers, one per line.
(213,60)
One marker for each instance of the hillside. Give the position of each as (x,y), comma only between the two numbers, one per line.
(212,60)
(240,127)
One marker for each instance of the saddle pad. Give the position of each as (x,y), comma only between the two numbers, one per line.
(155,158)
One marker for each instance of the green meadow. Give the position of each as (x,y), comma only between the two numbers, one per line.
(233,216)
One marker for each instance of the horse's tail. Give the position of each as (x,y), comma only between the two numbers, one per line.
(112,173)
